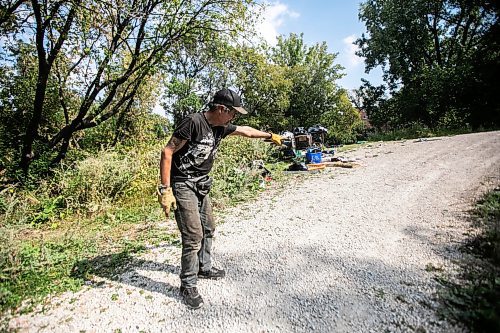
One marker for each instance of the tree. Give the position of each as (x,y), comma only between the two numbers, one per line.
(313,72)
(374,101)
(9,20)
(344,123)
(18,87)
(189,71)
(103,52)
(265,87)
(429,54)
(200,69)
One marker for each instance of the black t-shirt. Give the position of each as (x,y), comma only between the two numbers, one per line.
(196,158)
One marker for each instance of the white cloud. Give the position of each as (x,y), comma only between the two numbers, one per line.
(273,17)
(350,51)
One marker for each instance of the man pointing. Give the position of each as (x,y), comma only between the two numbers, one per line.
(185,164)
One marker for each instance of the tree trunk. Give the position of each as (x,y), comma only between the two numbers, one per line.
(44,66)
(33,125)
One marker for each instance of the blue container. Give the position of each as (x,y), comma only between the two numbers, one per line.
(313,156)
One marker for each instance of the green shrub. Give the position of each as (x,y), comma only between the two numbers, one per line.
(97,182)
(233,172)
(48,210)
(488,210)
(414,131)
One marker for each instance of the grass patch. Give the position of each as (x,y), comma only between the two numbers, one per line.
(350,147)
(414,131)
(42,261)
(475,298)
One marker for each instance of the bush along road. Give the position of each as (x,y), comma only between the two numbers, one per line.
(344,250)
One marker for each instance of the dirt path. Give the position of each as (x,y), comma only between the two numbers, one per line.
(344,251)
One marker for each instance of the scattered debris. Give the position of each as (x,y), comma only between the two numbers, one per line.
(341,164)
(318,133)
(426,139)
(313,155)
(288,139)
(303,141)
(297,166)
(340,159)
(259,165)
(303,145)
(264,172)
(315,166)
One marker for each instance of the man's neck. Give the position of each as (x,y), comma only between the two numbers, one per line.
(209,117)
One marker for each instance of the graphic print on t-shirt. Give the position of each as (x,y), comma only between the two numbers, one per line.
(197,153)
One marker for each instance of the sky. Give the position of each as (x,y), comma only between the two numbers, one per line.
(333,21)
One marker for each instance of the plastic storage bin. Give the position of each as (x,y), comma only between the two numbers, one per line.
(313,156)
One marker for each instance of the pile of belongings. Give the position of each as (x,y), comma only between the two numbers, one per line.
(317,132)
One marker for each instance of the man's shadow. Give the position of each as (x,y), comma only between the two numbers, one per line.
(123,267)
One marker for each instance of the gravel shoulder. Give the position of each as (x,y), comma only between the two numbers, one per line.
(345,250)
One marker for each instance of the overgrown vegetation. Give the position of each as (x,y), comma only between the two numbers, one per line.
(104,204)
(475,298)
(82,75)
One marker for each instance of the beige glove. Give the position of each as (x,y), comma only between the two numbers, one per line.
(167,200)
(276,139)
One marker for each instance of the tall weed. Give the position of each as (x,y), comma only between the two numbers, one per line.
(97,181)
(18,206)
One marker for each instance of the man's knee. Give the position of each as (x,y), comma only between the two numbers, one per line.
(192,241)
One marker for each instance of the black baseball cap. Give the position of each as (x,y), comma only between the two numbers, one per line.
(229,98)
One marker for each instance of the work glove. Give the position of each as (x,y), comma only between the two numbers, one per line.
(167,200)
(276,139)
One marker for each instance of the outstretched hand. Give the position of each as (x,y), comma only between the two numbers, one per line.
(276,139)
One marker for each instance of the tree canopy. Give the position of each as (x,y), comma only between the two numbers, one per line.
(288,85)
(439,58)
(94,57)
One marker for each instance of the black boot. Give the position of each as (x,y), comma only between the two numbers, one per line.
(191,297)
(213,273)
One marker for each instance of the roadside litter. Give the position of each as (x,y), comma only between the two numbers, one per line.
(265,174)
(313,155)
(306,151)
(341,165)
(297,166)
(426,139)
(316,166)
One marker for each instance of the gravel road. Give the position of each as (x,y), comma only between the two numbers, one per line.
(344,250)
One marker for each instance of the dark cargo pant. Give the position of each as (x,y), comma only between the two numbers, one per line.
(196,223)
